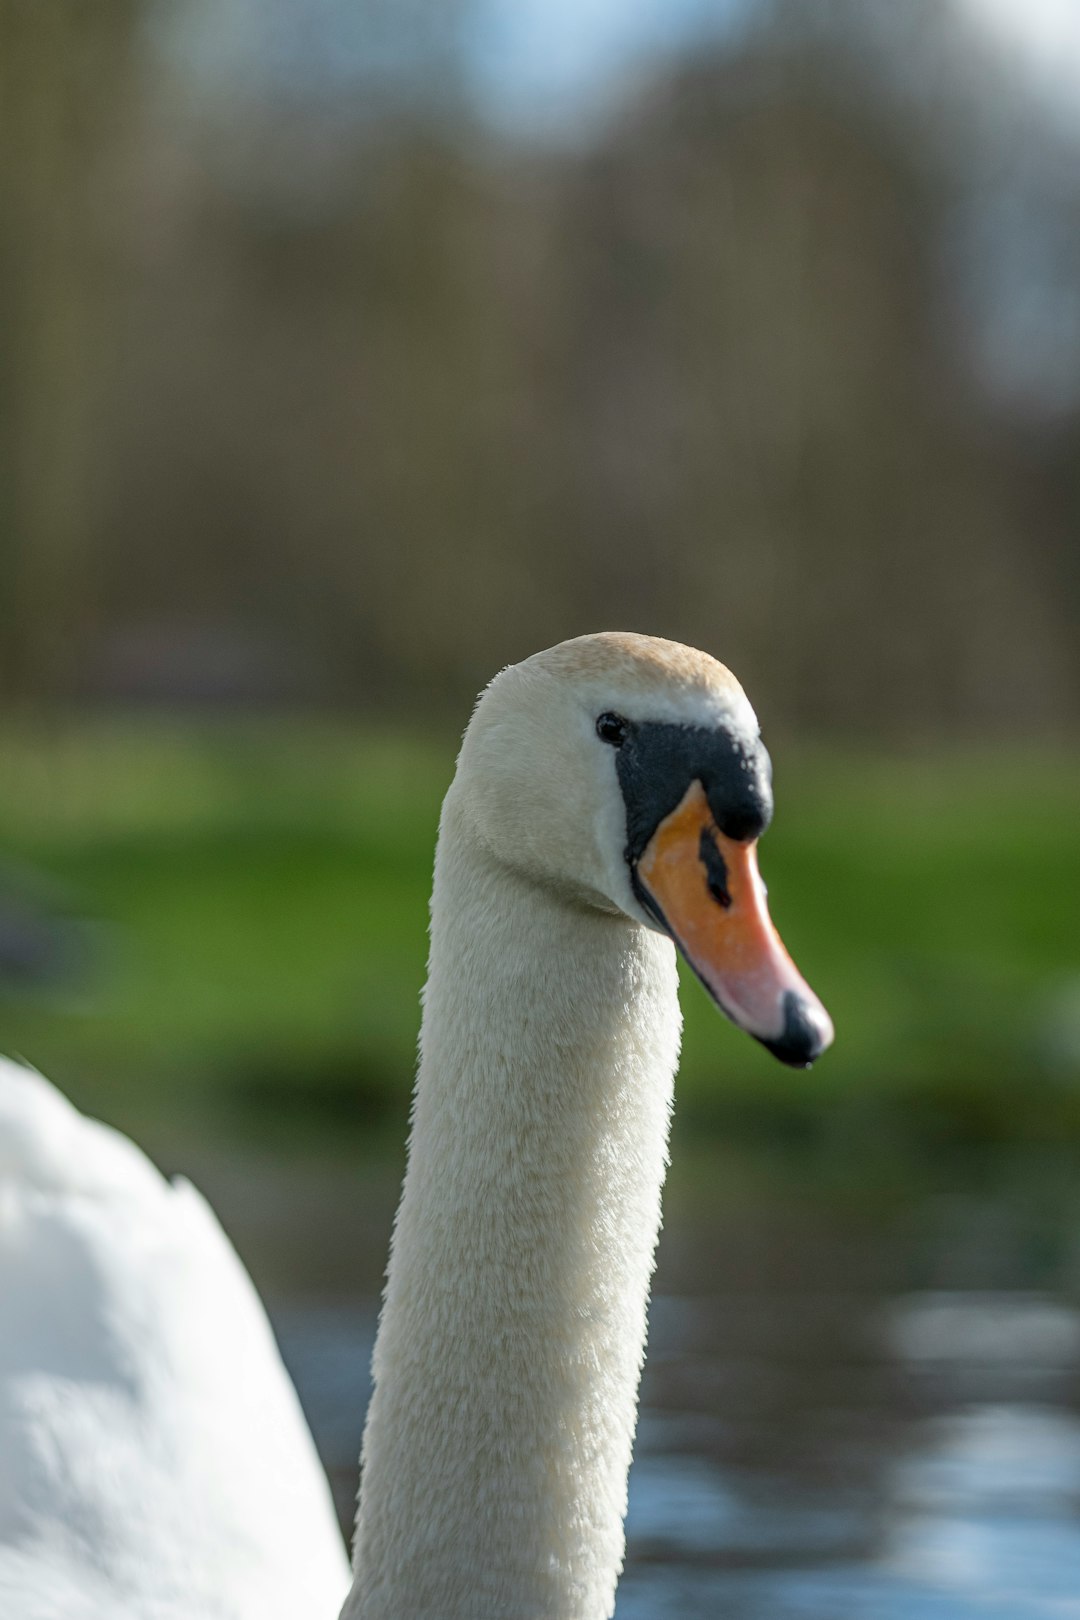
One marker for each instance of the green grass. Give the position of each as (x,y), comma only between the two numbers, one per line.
(259,893)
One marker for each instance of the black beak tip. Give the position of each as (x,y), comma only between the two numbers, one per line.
(802,1040)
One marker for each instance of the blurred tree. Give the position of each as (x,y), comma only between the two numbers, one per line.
(64,84)
(764,423)
(393,402)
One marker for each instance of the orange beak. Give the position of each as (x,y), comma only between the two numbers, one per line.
(706,890)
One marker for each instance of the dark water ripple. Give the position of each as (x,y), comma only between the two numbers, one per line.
(809,1455)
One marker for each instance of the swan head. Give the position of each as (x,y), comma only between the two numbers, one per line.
(629,773)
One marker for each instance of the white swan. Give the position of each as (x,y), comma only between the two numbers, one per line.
(153,1462)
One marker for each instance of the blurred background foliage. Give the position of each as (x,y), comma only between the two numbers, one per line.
(347,357)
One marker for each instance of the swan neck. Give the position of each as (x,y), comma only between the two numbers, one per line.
(512,1336)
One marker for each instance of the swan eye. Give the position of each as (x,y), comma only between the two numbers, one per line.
(612,728)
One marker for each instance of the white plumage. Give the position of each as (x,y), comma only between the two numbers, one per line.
(154,1463)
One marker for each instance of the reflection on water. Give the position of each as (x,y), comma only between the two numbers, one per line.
(806,1452)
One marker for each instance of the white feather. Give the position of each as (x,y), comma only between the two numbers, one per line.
(512,1337)
(154,1461)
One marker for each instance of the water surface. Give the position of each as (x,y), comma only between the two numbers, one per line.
(840,1416)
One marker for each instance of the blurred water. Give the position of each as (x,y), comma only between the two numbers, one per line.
(807,1451)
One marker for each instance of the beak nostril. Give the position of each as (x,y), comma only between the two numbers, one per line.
(716,873)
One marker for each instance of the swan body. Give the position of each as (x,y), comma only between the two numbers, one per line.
(154,1461)
(154,1464)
